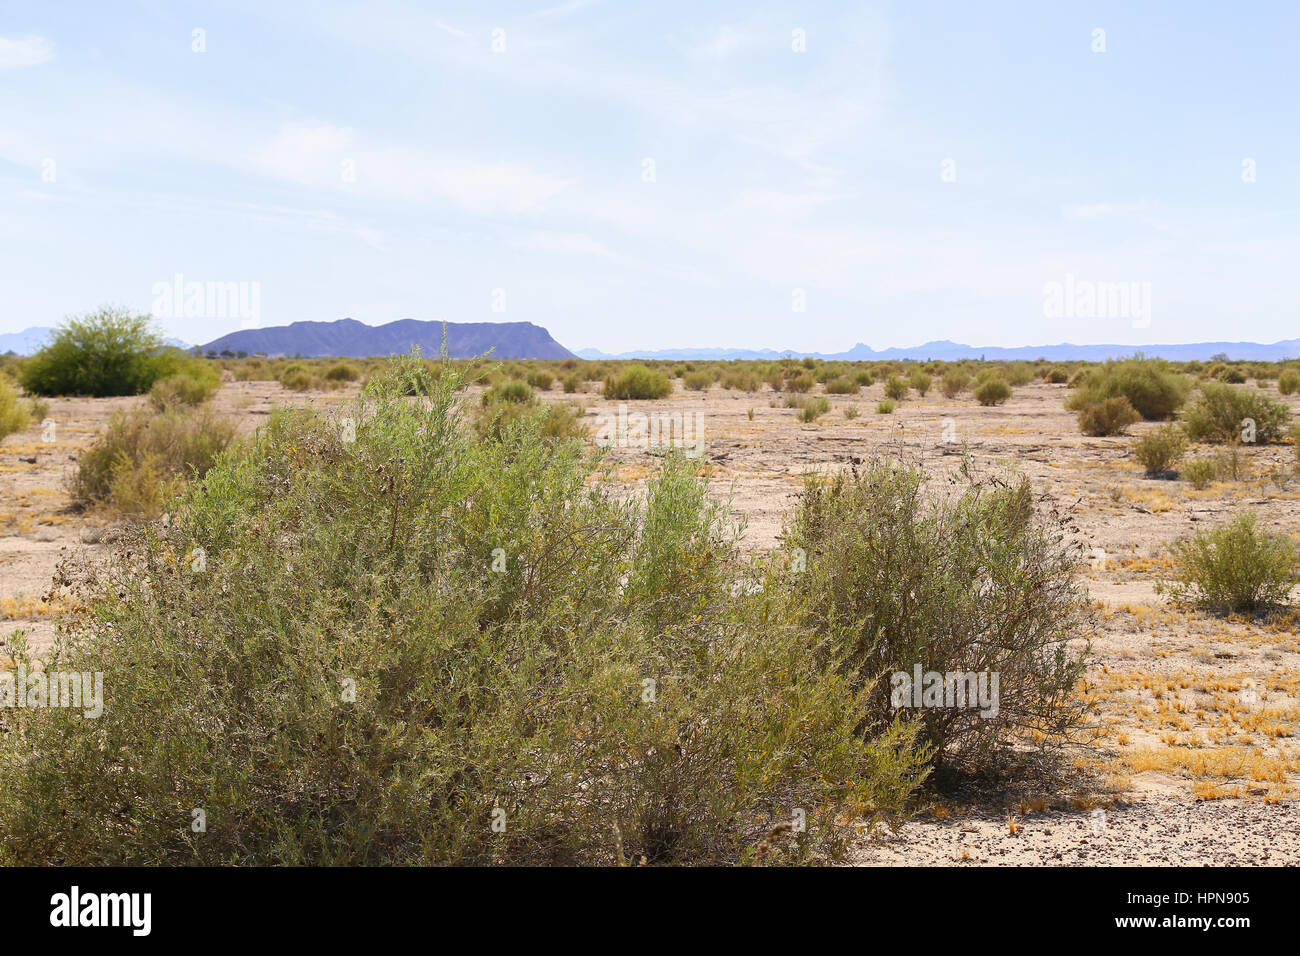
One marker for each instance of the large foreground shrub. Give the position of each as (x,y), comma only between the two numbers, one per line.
(1234,567)
(109,352)
(971,583)
(405,644)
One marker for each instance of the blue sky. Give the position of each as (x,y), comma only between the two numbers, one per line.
(918,171)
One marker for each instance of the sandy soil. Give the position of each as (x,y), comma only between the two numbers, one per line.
(1196,760)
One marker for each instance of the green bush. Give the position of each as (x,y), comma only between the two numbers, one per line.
(341,372)
(799,383)
(1110,416)
(143,458)
(850,412)
(512,391)
(296,377)
(1199,472)
(572,383)
(967,582)
(920,381)
(1234,567)
(1159,450)
(1151,386)
(1219,414)
(896,388)
(540,379)
(402,640)
(194,384)
(811,409)
(863,377)
(697,381)
(842,385)
(1056,376)
(993,391)
(1288,383)
(885,406)
(106,353)
(638,382)
(13,418)
(954,382)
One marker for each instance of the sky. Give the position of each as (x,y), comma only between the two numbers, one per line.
(658,175)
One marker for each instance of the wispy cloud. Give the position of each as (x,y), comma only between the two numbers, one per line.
(19,52)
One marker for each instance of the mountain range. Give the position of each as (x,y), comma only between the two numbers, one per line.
(945,350)
(506,340)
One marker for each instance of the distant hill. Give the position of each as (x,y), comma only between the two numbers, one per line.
(348,337)
(1241,351)
(32,340)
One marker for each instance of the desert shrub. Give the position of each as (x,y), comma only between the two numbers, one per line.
(993,391)
(551,420)
(1110,416)
(194,384)
(896,387)
(1232,375)
(800,383)
(349,681)
(966,582)
(109,352)
(885,406)
(747,380)
(572,383)
(811,408)
(920,381)
(341,372)
(638,382)
(540,379)
(954,382)
(296,377)
(1056,376)
(842,385)
(1199,472)
(697,381)
(512,391)
(13,417)
(1219,415)
(1019,375)
(1159,450)
(1151,386)
(1288,383)
(143,458)
(863,377)
(850,412)
(1233,567)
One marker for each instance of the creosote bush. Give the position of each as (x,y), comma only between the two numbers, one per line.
(1159,450)
(1199,472)
(1234,567)
(970,581)
(144,457)
(1221,412)
(638,382)
(993,391)
(400,640)
(193,384)
(13,418)
(1110,416)
(1151,386)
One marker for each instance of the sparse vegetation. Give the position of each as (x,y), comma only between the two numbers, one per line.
(1234,567)
(993,391)
(1159,450)
(638,382)
(1222,414)
(1151,386)
(1110,416)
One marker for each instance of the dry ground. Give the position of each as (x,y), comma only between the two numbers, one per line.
(1196,759)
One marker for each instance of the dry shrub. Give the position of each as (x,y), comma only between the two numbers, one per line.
(1110,416)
